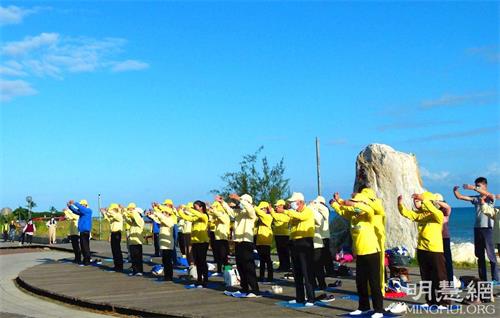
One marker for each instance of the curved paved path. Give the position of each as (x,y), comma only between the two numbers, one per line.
(15,303)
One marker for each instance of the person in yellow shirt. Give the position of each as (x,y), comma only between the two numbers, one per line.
(367,250)
(166,219)
(244,221)
(264,240)
(133,217)
(379,227)
(222,224)
(302,234)
(113,214)
(199,238)
(321,216)
(281,234)
(74,236)
(430,253)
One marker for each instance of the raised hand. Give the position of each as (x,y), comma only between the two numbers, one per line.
(400,199)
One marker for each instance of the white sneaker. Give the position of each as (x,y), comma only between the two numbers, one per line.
(441,307)
(138,274)
(389,308)
(399,308)
(294,301)
(356,312)
(377,315)
(199,286)
(308,304)
(251,295)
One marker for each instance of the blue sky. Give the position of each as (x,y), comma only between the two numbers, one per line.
(141,101)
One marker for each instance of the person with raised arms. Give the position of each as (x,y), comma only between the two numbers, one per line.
(367,250)
(244,221)
(84,226)
(281,233)
(133,217)
(166,219)
(199,238)
(114,215)
(264,240)
(222,224)
(73,234)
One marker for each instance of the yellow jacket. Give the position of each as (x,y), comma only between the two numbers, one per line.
(222,223)
(264,229)
(244,221)
(167,222)
(430,224)
(115,219)
(134,220)
(301,223)
(378,220)
(363,234)
(73,221)
(280,225)
(199,230)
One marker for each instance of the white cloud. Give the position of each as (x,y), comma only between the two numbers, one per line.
(30,43)
(493,170)
(434,176)
(10,89)
(488,53)
(14,15)
(56,56)
(448,100)
(129,65)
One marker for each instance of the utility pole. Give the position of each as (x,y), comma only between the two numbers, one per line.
(318,173)
(100,214)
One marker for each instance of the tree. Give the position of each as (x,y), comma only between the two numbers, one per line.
(53,210)
(257,178)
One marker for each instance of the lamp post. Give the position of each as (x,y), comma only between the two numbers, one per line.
(318,173)
(100,214)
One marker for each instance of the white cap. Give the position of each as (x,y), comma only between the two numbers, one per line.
(296,196)
(246,198)
(320,199)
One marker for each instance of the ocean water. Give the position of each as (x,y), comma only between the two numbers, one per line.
(461,225)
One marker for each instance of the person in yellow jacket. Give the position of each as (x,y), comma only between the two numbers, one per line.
(133,217)
(167,220)
(73,234)
(430,253)
(379,226)
(367,250)
(281,234)
(244,221)
(302,234)
(113,214)
(222,223)
(199,238)
(321,230)
(185,238)
(264,240)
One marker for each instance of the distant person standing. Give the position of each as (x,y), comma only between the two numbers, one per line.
(12,231)
(28,231)
(74,236)
(483,227)
(84,226)
(5,231)
(281,233)
(52,226)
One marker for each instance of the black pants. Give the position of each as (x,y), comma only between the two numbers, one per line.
(265,262)
(432,268)
(116,250)
(327,257)
(302,257)
(136,256)
(211,236)
(75,243)
(221,249)
(5,236)
(200,260)
(182,243)
(448,259)
(246,267)
(156,243)
(29,238)
(483,241)
(283,249)
(368,272)
(319,269)
(167,258)
(85,246)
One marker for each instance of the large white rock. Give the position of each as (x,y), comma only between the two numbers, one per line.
(389,173)
(463,253)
